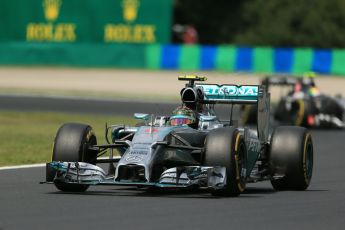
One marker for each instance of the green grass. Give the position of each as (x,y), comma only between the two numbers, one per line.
(27,137)
(89,94)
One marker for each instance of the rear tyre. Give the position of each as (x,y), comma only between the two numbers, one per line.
(226,147)
(71,145)
(300,111)
(291,156)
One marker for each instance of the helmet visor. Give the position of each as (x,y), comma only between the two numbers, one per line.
(180,121)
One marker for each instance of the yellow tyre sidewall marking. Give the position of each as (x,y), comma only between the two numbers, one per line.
(89,134)
(238,179)
(300,113)
(305,159)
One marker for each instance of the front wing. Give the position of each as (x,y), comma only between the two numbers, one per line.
(178,177)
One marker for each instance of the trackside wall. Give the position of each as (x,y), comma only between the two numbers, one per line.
(176,57)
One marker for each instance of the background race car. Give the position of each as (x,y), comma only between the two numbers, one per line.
(189,149)
(303,104)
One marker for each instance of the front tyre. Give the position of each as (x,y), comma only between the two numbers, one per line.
(291,158)
(225,147)
(71,145)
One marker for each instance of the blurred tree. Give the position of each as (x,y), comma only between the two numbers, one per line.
(315,23)
(215,21)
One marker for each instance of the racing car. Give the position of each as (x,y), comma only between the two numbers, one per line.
(303,104)
(165,152)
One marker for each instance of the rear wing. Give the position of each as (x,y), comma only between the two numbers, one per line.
(279,81)
(200,93)
(229,94)
(287,81)
(241,94)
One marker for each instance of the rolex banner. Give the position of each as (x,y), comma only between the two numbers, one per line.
(73,21)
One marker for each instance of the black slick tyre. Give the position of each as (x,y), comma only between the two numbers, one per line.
(300,111)
(291,158)
(225,147)
(71,145)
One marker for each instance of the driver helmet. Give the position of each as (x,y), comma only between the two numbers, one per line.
(308,79)
(183,115)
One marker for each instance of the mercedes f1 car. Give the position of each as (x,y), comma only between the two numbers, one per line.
(303,105)
(214,155)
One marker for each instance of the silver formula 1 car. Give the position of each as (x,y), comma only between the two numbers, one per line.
(214,155)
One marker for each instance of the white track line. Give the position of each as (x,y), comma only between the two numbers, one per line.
(38,165)
(22,166)
(82,98)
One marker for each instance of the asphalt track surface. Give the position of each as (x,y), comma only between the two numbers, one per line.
(90,106)
(79,105)
(24,204)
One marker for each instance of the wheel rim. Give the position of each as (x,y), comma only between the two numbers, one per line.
(297,113)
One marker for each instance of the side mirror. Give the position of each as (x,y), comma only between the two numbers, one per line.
(142,116)
(208,118)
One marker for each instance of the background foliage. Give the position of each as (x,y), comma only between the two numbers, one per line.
(315,23)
